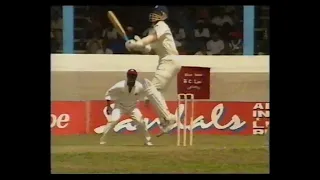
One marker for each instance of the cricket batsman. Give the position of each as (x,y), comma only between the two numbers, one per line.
(125,95)
(161,41)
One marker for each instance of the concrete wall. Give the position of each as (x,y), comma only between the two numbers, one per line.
(87,77)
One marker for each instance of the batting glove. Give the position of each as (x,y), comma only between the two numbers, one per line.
(145,49)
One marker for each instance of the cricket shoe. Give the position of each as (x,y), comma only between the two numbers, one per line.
(167,125)
(102,142)
(148,143)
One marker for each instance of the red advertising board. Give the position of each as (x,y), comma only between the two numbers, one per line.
(216,118)
(194,80)
(68,118)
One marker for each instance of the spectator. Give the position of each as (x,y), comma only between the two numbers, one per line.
(203,14)
(108,51)
(189,36)
(179,33)
(110,33)
(107,46)
(54,43)
(118,46)
(130,32)
(201,30)
(178,44)
(202,51)
(228,9)
(235,43)
(56,29)
(182,51)
(94,45)
(189,44)
(215,46)
(222,19)
(94,25)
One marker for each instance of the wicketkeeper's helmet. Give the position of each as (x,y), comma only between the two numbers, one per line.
(132,73)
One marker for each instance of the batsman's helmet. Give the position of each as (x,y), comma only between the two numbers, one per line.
(159,13)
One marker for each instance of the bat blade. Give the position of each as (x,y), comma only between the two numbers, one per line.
(116,24)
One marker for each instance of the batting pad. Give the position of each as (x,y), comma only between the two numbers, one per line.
(156,99)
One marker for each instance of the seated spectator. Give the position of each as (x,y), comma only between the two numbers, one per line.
(203,13)
(54,43)
(202,51)
(118,46)
(178,36)
(202,31)
(110,33)
(94,45)
(130,32)
(215,46)
(189,44)
(108,51)
(178,44)
(222,19)
(182,51)
(106,46)
(228,9)
(94,23)
(179,33)
(235,43)
(56,29)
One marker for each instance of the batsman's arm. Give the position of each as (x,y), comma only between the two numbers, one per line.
(146,49)
(157,32)
(149,39)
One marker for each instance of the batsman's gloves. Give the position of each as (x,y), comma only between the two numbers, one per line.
(133,45)
(137,45)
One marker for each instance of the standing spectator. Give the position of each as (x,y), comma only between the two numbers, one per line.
(215,46)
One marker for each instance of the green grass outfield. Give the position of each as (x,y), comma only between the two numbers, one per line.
(126,154)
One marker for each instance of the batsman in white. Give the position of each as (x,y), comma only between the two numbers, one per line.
(161,41)
(125,95)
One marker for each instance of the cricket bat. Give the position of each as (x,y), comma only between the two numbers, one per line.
(116,24)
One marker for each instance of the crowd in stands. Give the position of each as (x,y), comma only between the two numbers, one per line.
(200,30)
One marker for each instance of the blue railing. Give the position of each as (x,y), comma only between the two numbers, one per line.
(248,30)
